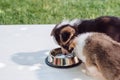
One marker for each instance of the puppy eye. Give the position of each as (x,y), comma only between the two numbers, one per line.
(65,36)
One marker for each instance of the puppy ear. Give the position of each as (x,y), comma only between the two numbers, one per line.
(59,25)
(75,23)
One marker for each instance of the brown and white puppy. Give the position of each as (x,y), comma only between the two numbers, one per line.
(100,54)
(66,31)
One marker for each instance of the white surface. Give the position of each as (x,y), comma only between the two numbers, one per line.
(23,49)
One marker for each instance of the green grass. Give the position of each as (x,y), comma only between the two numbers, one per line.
(53,11)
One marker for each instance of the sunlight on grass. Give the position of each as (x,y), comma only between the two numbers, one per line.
(1,11)
(53,11)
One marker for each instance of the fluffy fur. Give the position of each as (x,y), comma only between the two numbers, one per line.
(65,31)
(100,54)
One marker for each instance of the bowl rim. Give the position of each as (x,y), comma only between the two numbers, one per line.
(56,66)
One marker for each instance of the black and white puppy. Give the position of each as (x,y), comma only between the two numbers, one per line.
(100,54)
(66,31)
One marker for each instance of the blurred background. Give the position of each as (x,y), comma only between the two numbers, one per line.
(53,11)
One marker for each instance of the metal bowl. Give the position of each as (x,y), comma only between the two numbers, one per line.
(59,60)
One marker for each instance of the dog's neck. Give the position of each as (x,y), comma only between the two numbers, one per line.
(80,44)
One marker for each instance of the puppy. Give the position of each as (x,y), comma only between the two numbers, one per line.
(66,31)
(100,54)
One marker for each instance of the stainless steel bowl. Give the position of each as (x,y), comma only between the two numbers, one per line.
(59,60)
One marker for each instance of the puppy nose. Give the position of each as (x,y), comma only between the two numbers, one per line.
(64,51)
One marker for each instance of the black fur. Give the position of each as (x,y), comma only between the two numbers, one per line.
(111,26)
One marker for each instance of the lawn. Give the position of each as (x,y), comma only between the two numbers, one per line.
(53,11)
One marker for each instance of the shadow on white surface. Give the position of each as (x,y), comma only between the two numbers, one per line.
(29,58)
(35,61)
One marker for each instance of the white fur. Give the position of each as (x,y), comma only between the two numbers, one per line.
(75,22)
(81,42)
(72,23)
(93,71)
(64,22)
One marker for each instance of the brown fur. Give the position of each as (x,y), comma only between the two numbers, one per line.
(103,53)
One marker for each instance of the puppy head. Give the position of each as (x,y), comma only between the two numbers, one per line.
(64,34)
